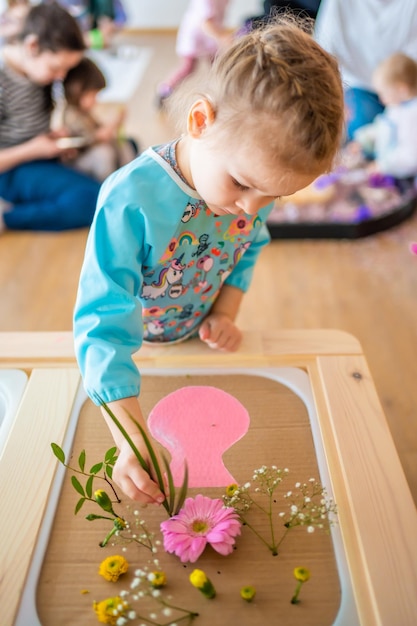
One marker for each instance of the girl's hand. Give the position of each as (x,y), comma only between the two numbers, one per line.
(132,478)
(219,331)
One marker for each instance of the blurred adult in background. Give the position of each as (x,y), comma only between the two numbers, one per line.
(301,8)
(361,34)
(37,190)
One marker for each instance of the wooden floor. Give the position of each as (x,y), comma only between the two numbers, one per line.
(366,287)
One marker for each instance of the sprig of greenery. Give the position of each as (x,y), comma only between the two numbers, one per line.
(86,492)
(172,502)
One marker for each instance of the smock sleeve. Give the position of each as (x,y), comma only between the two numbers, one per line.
(108,316)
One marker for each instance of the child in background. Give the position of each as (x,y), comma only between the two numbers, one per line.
(38,191)
(178,231)
(391,140)
(100,20)
(200,35)
(106,150)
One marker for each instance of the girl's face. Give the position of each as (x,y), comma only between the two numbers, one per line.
(88,100)
(235,177)
(44,67)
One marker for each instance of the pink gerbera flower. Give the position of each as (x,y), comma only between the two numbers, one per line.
(201,521)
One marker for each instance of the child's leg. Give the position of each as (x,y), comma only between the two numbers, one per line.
(46,195)
(186,68)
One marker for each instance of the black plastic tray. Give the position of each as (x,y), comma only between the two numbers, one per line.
(335,230)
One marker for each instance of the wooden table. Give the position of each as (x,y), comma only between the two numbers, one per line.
(377,517)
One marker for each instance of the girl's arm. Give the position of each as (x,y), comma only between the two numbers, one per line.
(220,34)
(219,329)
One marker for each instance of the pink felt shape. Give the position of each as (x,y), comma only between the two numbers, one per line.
(199,424)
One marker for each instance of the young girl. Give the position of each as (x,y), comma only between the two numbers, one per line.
(200,35)
(178,231)
(105,150)
(38,192)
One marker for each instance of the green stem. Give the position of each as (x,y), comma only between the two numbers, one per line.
(260,507)
(271,525)
(107,537)
(148,546)
(273,549)
(282,538)
(294,599)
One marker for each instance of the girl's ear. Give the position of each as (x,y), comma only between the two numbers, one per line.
(31,43)
(200,117)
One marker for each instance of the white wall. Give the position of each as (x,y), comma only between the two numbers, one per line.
(167,13)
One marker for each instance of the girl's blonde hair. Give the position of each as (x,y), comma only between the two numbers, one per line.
(278,83)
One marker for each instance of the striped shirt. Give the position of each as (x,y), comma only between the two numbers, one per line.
(25,108)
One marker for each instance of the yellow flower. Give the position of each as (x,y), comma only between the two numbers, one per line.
(119,523)
(112,567)
(231,489)
(199,580)
(157,579)
(103,500)
(302,574)
(109,610)
(248,593)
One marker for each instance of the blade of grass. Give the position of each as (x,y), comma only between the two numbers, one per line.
(183,491)
(170,485)
(125,435)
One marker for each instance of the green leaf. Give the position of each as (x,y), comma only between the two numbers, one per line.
(77,485)
(89,486)
(110,455)
(171,487)
(183,491)
(59,453)
(125,434)
(96,468)
(79,505)
(109,471)
(81,460)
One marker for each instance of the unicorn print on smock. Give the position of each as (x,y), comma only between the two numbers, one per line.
(179,290)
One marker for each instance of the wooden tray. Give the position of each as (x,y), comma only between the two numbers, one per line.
(377,517)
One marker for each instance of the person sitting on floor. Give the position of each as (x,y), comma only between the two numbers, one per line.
(105,149)
(37,190)
(391,140)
